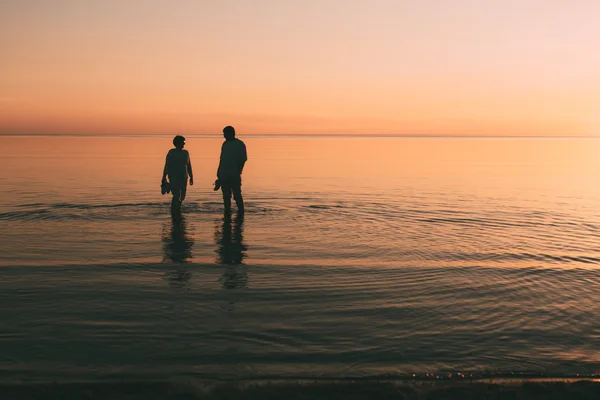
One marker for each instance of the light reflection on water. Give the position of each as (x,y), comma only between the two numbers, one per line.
(356,257)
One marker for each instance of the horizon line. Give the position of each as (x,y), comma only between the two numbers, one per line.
(300,135)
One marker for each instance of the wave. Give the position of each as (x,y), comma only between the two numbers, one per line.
(507,257)
(299,322)
(67,211)
(87,211)
(113,211)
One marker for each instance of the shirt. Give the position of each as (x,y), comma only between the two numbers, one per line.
(233,156)
(177,161)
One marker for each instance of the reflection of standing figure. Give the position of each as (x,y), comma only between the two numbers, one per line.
(231,252)
(231,248)
(177,248)
(235,277)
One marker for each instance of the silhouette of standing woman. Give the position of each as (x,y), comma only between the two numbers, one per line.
(178,167)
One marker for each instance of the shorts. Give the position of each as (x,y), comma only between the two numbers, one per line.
(178,189)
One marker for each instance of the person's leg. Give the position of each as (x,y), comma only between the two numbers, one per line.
(182,192)
(226,189)
(237,195)
(175,204)
(176,191)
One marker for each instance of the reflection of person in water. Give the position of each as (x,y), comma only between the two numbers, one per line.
(231,252)
(177,245)
(177,248)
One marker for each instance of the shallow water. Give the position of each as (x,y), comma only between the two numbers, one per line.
(357,257)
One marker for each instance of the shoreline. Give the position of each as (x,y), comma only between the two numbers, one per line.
(580,388)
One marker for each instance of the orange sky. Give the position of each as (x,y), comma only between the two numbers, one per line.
(435,67)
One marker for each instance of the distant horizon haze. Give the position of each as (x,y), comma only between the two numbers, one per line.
(296,135)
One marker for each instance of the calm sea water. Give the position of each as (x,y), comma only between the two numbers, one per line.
(357,257)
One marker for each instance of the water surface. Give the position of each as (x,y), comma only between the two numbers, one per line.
(357,257)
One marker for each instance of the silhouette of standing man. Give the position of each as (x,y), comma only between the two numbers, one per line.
(229,173)
(178,167)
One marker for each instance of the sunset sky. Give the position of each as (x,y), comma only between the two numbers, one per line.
(433,67)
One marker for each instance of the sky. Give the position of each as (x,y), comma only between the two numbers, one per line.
(393,67)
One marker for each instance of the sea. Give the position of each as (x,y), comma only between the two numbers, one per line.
(358,257)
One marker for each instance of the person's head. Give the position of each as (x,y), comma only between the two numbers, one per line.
(229,132)
(179,141)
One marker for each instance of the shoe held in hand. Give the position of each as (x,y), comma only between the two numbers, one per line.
(165,187)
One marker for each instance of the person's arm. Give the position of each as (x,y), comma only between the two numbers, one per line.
(166,169)
(220,158)
(243,158)
(189,170)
